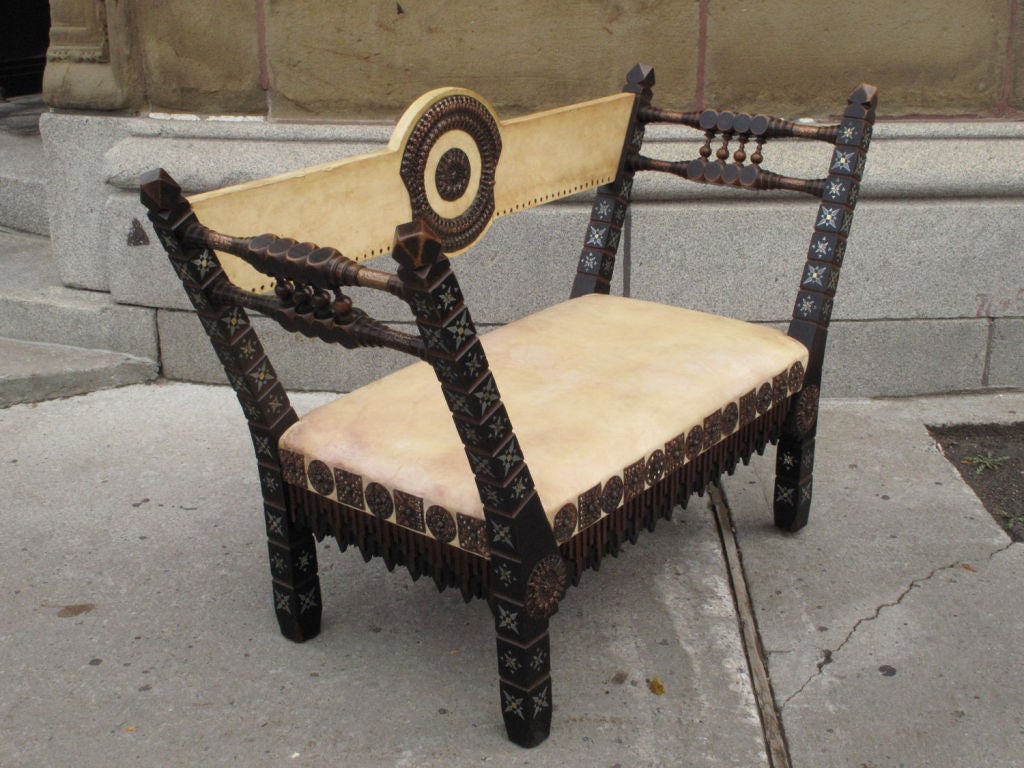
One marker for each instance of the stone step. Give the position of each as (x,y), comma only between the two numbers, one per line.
(34,306)
(34,371)
(22,167)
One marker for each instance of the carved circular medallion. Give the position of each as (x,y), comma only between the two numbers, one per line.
(806,410)
(379,500)
(452,174)
(321,477)
(730,418)
(796,376)
(546,586)
(765,396)
(612,494)
(565,523)
(695,442)
(441,523)
(655,467)
(466,124)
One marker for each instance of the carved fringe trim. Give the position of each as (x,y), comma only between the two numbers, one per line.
(451,566)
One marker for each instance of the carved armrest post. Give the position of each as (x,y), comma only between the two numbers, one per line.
(527,574)
(608,215)
(262,397)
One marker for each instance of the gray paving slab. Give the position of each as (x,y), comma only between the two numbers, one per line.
(892,623)
(137,626)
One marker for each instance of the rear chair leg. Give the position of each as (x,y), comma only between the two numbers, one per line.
(794,462)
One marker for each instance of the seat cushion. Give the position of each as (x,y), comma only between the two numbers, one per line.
(596,388)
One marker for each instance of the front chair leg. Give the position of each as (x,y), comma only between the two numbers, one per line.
(524,668)
(295,580)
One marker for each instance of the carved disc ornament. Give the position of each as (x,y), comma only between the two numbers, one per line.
(546,586)
(448,168)
(452,176)
(806,406)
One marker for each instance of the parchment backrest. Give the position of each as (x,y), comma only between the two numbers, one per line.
(450,161)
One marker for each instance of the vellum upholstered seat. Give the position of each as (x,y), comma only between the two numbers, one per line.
(508,463)
(640,378)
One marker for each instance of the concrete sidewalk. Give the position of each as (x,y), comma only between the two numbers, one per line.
(137,627)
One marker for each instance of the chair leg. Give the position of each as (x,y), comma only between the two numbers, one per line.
(794,463)
(293,568)
(524,668)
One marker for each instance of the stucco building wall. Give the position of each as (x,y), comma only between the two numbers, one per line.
(223,92)
(359,59)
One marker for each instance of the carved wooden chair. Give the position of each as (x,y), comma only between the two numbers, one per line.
(505,464)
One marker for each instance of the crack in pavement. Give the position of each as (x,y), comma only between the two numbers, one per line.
(828,655)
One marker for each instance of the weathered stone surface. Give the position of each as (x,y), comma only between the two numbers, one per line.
(33,371)
(1006,353)
(941,58)
(881,358)
(200,57)
(373,59)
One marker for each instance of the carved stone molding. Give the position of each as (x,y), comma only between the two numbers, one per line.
(78,31)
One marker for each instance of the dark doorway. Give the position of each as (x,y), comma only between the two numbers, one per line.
(24,36)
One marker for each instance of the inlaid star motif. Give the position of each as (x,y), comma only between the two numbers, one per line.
(487,395)
(447,298)
(846,133)
(270,482)
(520,487)
(480,466)
(822,247)
(540,701)
(829,217)
(508,619)
(537,660)
(595,236)
(510,662)
(590,262)
(510,458)
(304,562)
(458,402)
(788,460)
(842,161)
(502,534)
(204,263)
(498,427)
(514,705)
(460,329)
(234,318)
(835,189)
(504,574)
(815,275)
(277,562)
(262,445)
(603,209)
(281,602)
(474,363)
(263,373)
(784,495)
(307,600)
(806,306)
